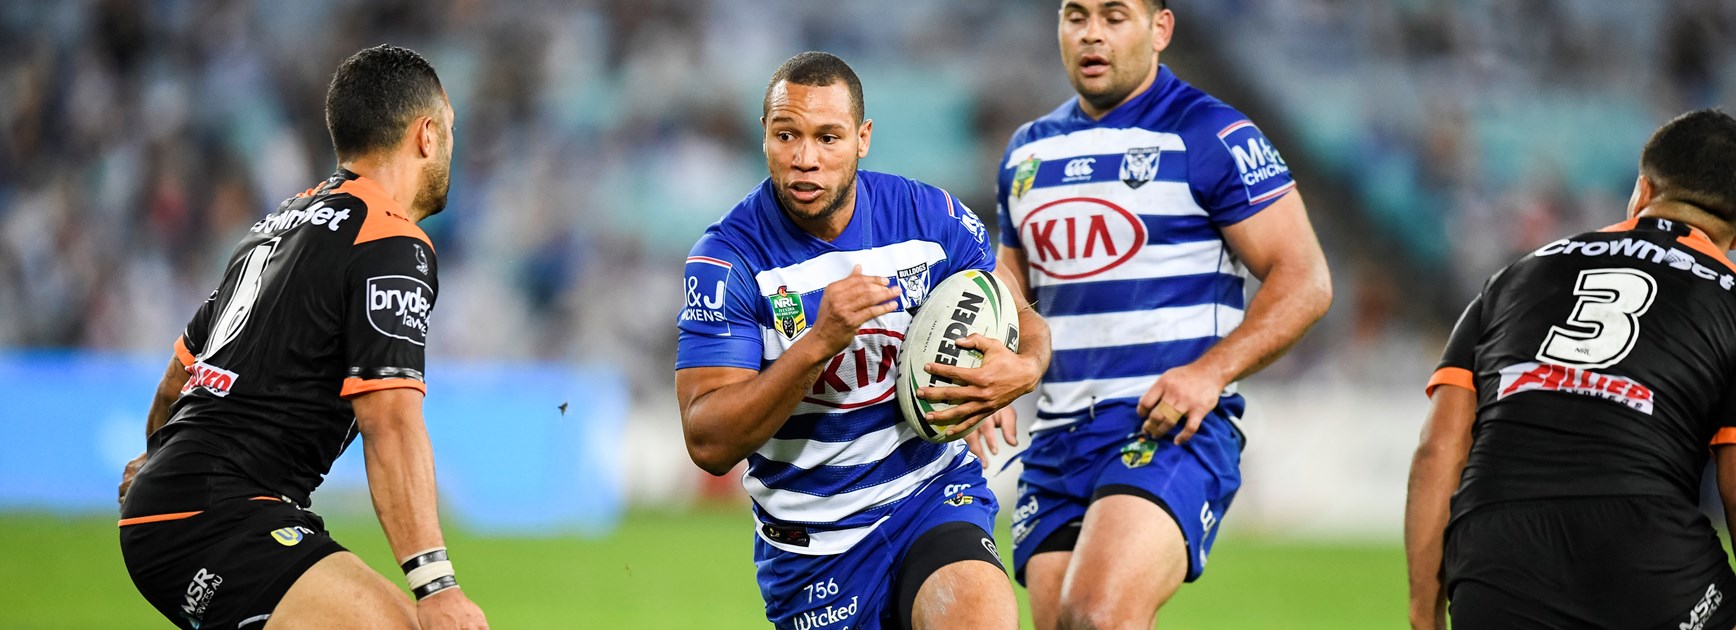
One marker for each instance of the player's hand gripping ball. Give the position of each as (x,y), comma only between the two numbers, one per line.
(964,303)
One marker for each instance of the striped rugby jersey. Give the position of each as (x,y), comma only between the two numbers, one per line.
(844,460)
(1120,220)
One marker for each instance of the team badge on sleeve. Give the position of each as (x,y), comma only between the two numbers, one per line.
(787,313)
(1262,171)
(1024,176)
(1139,165)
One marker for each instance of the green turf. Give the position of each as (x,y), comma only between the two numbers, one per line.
(678,570)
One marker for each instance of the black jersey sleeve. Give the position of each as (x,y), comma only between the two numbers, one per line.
(1459,361)
(192,339)
(391,286)
(1726,433)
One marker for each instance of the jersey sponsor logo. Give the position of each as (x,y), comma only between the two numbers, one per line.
(1257,163)
(1139,166)
(787,315)
(1642,249)
(1532,376)
(199,594)
(793,536)
(398,307)
(1079,237)
(914,283)
(1022,530)
(1138,452)
(290,536)
(317,214)
(421,260)
(1026,510)
(831,614)
(707,286)
(1024,175)
(955,488)
(1077,169)
(1703,610)
(210,378)
(863,374)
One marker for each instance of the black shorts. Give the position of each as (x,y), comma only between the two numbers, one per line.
(1593,562)
(226,566)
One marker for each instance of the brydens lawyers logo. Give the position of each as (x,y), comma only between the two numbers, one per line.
(398,307)
(1548,377)
(1080,237)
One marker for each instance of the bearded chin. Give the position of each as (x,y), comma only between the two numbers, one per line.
(436,182)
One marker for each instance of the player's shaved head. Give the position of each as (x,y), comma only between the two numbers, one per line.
(375,94)
(817,69)
(1692,159)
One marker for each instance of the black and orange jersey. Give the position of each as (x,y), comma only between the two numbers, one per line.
(324,299)
(1603,365)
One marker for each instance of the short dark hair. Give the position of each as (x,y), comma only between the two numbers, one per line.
(817,69)
(1692,159)
(374,95)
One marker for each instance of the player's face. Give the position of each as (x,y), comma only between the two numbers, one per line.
(812,145)
(1110,47)
(437,173)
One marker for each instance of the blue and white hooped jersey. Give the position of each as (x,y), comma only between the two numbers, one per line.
(845,459)
(1120,220)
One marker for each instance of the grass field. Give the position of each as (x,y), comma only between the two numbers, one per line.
(688,569)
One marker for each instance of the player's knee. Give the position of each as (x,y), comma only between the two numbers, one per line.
(1095,612)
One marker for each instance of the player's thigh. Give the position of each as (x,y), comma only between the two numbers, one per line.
(340,591)
(1130,559)
(966,595)
(1044,573)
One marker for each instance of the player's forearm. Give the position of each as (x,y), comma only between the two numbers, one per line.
(1434,475)
(726,425)
(168,391)
(400,463)
(1034,338)
(1293,297)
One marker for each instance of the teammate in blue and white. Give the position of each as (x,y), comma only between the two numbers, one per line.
(797,301)
(1134,212)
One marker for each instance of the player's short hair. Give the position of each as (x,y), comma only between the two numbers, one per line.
(375,94)
(1692,159)
(817,69)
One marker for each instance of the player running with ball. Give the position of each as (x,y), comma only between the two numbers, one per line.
(797,303)
(1134,213)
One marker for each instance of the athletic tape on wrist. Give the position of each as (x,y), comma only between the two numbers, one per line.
(435,587)
(429,572)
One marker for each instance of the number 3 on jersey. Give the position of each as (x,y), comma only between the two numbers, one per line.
(1605,322)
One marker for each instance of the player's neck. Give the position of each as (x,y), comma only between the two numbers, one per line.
(1096,114)
(392,176)
(1714,230)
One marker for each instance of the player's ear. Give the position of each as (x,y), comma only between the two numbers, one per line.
(427,136)
(1642,196)
(1162,26)
(865,133)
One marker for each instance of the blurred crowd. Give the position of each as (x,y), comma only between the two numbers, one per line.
(138,139)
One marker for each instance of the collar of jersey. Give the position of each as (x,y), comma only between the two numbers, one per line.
(854,232)
(1125,114)
(1694,238)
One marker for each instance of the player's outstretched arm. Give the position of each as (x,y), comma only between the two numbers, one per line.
(400,463)
(1725,456)
(727,413)
(168,391)
(1279,247)
(1435,470)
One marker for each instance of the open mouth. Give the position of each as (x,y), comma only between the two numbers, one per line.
(1093,65)
(805,192)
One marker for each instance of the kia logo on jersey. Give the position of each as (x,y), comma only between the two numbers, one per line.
(1080,237)
(862,375)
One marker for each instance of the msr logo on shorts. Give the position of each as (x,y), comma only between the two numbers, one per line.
(1702,611)
(199,594)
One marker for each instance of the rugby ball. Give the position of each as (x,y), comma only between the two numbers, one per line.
(967,302)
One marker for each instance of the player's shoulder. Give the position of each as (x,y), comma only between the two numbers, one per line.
(919,199)
(380,217)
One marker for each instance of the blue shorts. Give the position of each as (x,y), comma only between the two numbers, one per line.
(1068,467)
(853,590)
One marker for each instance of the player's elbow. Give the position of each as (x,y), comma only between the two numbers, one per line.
(711,457)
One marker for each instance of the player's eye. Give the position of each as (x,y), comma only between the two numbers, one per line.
(828,139)
(785,136)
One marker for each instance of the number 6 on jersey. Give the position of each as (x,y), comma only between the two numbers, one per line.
(1610,305)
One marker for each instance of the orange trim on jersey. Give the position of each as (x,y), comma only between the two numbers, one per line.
(182,353)
(1623,226)
(355,386)
(1704,245)
(385,218)
(1726,435)
(265,498)
(1455,376)
(156,518)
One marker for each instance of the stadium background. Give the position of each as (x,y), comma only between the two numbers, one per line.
(1435,140)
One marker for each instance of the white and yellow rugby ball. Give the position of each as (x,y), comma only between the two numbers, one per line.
(964,303)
